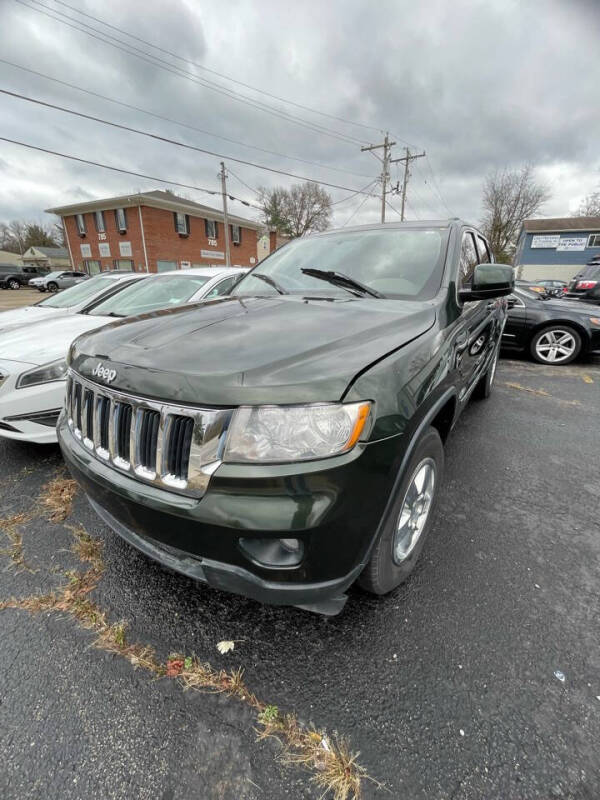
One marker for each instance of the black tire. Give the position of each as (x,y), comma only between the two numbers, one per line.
(52,287)
(41,288)
(13,283)
(484,386)
(560,333)
(383,572)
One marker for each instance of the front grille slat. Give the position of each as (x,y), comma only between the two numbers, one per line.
(152,441)
(122,423)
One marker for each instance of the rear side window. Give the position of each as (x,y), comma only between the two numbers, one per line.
(468,259)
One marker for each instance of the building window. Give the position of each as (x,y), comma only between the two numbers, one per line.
(80,221)
(182,223)
(121,220)
(236,234)
(594,240)
(99,221)
(210,228)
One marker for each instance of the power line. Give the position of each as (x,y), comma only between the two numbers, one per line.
(177,122)
(354,213)
(167,140)
(168,67)
(243,182)
(428,163)
(360,191)
(124,171)
(219,74)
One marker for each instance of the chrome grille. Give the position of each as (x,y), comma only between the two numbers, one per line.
(175,447)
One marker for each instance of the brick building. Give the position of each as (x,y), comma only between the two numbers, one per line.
(153,232)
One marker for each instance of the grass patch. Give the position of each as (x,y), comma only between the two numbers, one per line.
(10,527)
(57,497)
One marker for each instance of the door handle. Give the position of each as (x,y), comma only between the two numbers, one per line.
(462,340)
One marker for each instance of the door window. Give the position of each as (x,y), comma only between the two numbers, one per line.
(483,249)
(468,259)
(224,287)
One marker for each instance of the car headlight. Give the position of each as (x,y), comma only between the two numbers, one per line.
(54,371)
(276,434)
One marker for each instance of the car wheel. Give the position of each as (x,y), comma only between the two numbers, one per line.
(14,284)
(409,518)
(484,386)
(52,287)
(558,344)
(41,288)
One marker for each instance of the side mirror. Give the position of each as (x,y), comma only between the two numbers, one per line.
(489,281)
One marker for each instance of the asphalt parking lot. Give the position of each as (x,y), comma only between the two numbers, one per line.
(10,298)
(479,678)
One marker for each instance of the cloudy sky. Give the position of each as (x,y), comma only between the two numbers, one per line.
(479,84)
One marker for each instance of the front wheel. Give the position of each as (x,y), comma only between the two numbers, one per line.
(53,287)
(14,284)
(558,344)
(409,520)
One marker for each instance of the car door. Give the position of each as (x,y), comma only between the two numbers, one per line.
(64,280)
(476,334)
(515,330)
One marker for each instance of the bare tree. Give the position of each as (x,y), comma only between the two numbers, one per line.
(18,236)
(304,208)
(509,198)
(590,206)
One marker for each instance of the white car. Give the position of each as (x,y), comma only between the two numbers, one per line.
(72,301)
(32,358)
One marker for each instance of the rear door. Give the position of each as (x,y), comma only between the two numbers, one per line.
(476,328)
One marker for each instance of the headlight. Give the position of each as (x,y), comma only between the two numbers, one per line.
(55,371)
(272,434)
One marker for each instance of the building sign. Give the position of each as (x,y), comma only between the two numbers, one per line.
(125,248)
(104,249)
(572,243)
(101,237)
(185,264)
(212,242)
(86,250)
(550,242)
(218,254)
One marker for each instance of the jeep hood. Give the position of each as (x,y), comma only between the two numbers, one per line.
(252,350)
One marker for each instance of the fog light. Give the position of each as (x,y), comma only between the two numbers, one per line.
(274,552)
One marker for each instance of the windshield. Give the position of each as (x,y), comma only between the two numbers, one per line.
(78,293)
(396,262)
(151,294)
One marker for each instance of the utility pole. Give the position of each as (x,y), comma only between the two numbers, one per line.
(406,160)
(223,175)
(385,168)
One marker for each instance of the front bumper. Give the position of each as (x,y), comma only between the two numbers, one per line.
(333,506)
(21,409)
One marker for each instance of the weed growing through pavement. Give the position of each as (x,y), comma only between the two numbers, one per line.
(334,767)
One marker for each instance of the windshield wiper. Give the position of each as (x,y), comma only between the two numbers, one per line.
(339,279)
(270,281)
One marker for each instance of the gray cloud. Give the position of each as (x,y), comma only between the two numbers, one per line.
(479,84)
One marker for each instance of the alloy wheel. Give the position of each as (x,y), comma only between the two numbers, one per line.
(555,345)
(415,510)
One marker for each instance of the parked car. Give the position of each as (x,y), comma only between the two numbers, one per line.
(586,284)
(551,331)
(13,276)
(553,287)
(60,279)
(70,301)
(32,359)
(287,440)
